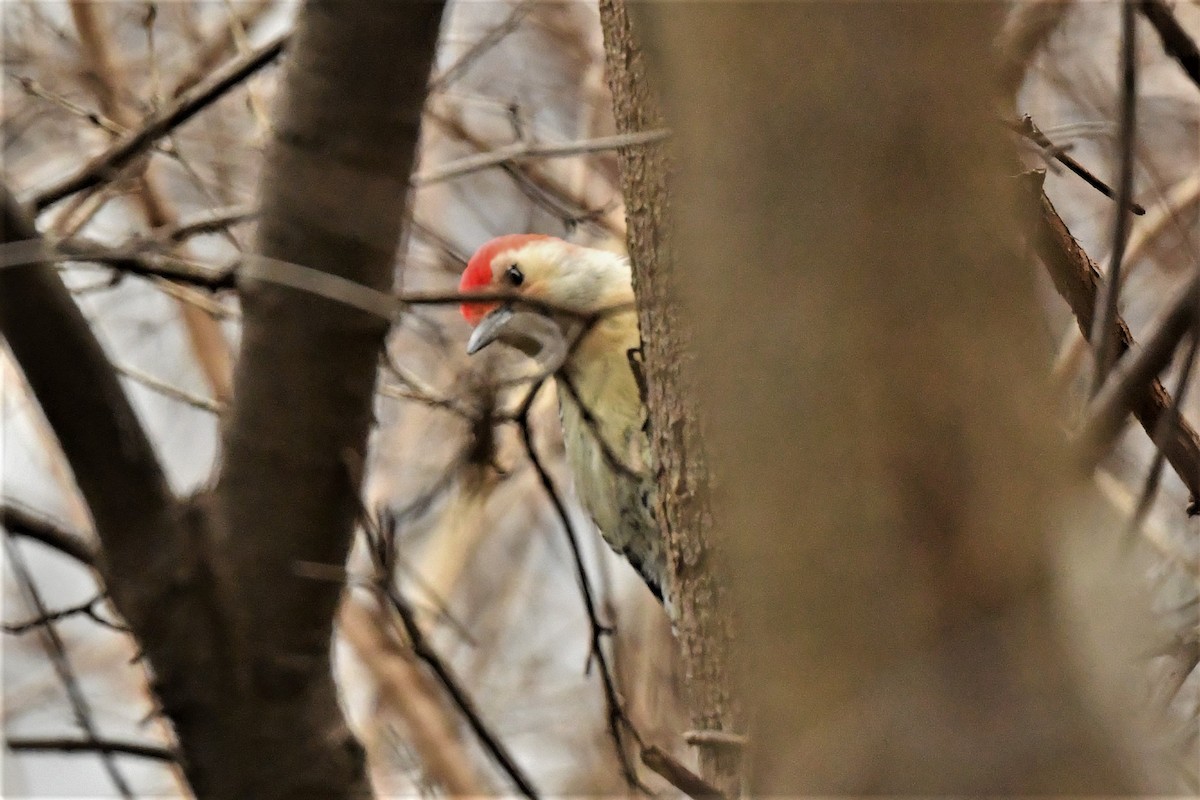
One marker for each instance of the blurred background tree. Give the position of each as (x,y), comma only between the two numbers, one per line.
(911,544)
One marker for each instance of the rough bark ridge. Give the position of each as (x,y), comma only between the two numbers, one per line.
(238,641)
(703,623)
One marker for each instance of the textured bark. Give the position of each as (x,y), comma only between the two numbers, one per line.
(703,622)
(238,642)
(869,367)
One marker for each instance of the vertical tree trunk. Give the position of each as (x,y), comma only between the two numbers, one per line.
(333,198)
(703,621)
(868,359)
(238,640)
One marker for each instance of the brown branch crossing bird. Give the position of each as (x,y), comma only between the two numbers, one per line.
(601,393)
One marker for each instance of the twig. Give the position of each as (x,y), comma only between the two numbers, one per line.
(678,775)
(1175,39)
(167,390)
(1104,333)
(87,609)
(541,189)
(62,664)
(410,693)
(104,746)
(145,262)
(1168,421)
(20,522)
(1027,128)
(520,151)
(186,106)
(617,719)
(1075,277)
(1135,371)
(215,221)
(485,43)
(424,651)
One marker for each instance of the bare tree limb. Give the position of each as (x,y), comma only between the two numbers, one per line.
(1175,39)
(80,707)
(1104,334)
(678,775)
(99,745)
(618,721)
(20,522)
(405,691)
(1076,277)
(1133,373)
(1026,128)
(520,151)
(114,463)
(186,106)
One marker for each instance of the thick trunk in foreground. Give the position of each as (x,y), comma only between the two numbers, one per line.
(237,640)
(333,198)
(867,355)
(703,623)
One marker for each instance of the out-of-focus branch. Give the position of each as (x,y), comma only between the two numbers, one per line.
(1028,26)
(678,775)
(20,522)
(521,151)
(1175,39)
(1076,277)
(113,460)
(144,261)
(408,693)
(556,198)
(220,45)
(1026,128)
(1134,372)
(1104,334)
(80,707)
(383,547)
(106,746)
(477,50)
(204,333)
(129,147)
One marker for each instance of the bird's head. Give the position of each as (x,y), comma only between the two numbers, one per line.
(567,277)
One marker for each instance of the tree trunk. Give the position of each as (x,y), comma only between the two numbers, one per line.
(869,363)
(703,622)
(238,640)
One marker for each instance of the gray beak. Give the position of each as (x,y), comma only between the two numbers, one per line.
(490,329)
(535,335)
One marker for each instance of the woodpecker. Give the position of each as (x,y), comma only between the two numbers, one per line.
(601,393)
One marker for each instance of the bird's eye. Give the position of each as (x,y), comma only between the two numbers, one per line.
(514,275)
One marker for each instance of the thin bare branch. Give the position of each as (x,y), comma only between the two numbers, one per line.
(408,693)
(80,707)
(128,148)
(380,541)
(1175,39)
(618,721)
(1025,127)
(106,747)
(20,522)
(1104,335)
(169,390)
(678,775)
(1134,372)
(214,221)
(481,47)
(1076,277)
(521,151)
